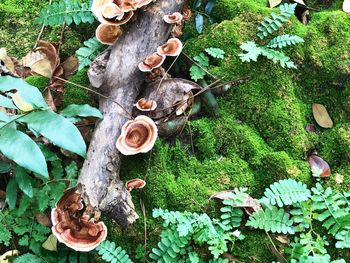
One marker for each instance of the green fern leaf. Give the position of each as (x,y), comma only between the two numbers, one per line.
(278,56)
(215,52)
(272,219)
(284,40)
(86,54)
(111,253)
(285,192)
(28,258)
(331,208)
(65,11)
(253,51)
(343,239)
(273,23)
(302,215)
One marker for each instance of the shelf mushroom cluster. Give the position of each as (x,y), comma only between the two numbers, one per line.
(73,227)
(113,13)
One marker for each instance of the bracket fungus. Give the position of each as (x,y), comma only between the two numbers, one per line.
(175,18)
(73,226)
(135,184)
(108,34)
(171,48)
(151,62)
(146,105)
(137,136)
(112,11)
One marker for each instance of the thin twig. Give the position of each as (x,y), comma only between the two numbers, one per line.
(143,209)
(97,93)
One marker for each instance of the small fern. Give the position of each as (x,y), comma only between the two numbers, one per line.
(86,54)
(284,41)
(65,11)
(285,192)
(343,239)
(273,23)
(332,210)
(302,215)
(272,219)
(111,253)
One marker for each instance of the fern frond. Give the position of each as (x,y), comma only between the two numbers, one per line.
(169,247)
(86,54)
(252,51)
(284,40)
(302,215)
(272,219)
(231,216)
(278,56)
(111,253)
(331,208)
(343,239)
(65,11)
(285,192)
(273,23)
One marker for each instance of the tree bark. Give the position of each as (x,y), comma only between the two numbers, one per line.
(120,80)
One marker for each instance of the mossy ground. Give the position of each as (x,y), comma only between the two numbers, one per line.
(260,136)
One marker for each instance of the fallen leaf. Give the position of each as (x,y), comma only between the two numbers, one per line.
(299,2)
(70,66)
(321,116)
(4,257)
(49,100)
(21,103)
(7,60)
(50,243)
(282,239)
(43,219)
(346,6)
(274,3)
(319,167)
(184,103)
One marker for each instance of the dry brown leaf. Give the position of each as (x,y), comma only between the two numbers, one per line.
(49,100)
(346,6)
(184,103)
(7,60)
(321,116)
(319,167)
(70,66)
(4,258)
(282,239)
(274,3)
(43,219)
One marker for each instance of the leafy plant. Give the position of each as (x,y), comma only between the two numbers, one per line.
(111,253)
(181,229)
(198,7)
(198,72)
(86,54)
(65,12)
(268,26)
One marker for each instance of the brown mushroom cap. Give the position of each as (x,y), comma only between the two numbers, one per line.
(146,105)
(126,5)
(97,6)
(135,184)
(174,18)
(73,227)
(151,62)
(141,3)
(118,20)
(111,10)
(172,48)
(108,34)
(137,136)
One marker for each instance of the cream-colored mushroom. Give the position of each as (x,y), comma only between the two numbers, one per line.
(108,34)
(172,48)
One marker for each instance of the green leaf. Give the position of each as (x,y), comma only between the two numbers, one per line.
(199,23)
(23,181)
(11,193)
(196,73)
(29,93)
(6,102)
(57,129)
(92,47)
(202,59)
(5,167)
(210,6)
(81,111)
(215,52)
(253,51)
(20,148)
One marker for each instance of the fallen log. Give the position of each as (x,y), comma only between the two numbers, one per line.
(117,76)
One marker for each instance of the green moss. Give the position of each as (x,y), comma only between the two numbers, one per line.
(76,95)
(38,81)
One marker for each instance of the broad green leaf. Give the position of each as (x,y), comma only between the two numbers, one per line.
(23,181)
(11,193)
(199,23)
(29,93)
(5,167)
(6,102)
(57,129)
(81,111)
(209,7)
(20,148)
